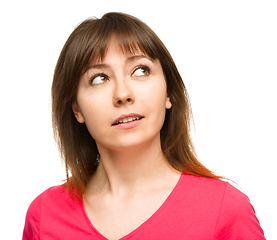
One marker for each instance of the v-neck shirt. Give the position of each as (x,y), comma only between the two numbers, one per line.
(197,208)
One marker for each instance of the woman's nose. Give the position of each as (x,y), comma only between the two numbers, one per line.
(123,93)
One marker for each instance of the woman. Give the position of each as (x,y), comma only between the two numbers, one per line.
(121,116)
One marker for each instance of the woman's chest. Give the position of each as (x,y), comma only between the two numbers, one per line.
(115,219)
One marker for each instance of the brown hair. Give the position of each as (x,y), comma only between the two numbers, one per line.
(87,43)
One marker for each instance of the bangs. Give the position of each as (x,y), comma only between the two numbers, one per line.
(131,34)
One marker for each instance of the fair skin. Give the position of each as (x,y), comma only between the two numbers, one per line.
(133,178)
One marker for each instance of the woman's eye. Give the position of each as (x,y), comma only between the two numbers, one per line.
(99,79)
(141,71)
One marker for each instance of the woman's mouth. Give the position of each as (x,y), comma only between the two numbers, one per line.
(127,119)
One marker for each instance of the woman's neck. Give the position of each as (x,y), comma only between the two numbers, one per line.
(127,171)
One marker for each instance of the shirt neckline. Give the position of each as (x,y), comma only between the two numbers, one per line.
(142,225)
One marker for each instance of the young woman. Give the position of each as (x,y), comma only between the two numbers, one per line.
(121,116)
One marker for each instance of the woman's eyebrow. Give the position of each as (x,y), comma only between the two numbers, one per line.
(137,57)
(128,60)
(99,66)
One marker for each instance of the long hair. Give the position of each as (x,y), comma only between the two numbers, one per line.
(88,43)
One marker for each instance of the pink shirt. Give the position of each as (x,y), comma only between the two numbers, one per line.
(198,208)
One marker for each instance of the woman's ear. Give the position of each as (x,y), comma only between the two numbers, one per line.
(77,113)
(168,103)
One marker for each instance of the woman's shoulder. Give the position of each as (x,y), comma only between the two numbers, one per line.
(203,186)
(232,213)
(212,186)
(207,194)
(230,199)
(48,200)
(51,194)
(53,197)
(54,192)
(236,216)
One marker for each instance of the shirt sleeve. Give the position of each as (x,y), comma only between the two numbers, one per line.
(237,218)
(32,222)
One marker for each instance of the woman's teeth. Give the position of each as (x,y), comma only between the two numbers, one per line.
(128,119)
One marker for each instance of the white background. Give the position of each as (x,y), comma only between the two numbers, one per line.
(226,52)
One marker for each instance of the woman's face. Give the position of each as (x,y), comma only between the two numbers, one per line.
(123,99)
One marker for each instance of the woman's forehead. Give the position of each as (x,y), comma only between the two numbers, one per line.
(115,46)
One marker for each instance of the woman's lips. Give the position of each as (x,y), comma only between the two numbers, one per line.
(127,121)
(128,125)
(124,118)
